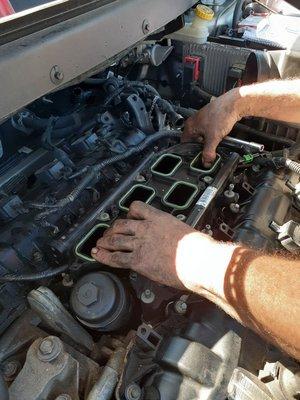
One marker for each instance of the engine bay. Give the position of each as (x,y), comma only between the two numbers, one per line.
(71,163)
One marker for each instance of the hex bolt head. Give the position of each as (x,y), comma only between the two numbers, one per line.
(104,216)
(140,178)
(133,392)
(147,296)
(181,217)
(208,179)
(49,349)
(56,74)
(88,294)
(180,307)
(146,27)
(63,396)
(46,346)
(10,368)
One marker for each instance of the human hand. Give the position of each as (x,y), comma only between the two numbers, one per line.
(212,123)
(155,244)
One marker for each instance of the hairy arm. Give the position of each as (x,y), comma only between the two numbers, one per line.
(278,100)
(262,292)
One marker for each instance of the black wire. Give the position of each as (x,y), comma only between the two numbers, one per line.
(94,171)
(50,273)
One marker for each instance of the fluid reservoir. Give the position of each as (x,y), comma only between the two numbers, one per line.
(198,30)
(100,301)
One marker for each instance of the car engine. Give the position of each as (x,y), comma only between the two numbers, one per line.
(71,163)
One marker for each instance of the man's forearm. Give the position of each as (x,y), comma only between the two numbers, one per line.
(261,292)
(279,100)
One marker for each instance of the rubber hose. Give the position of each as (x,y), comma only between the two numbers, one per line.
(142,85)
(33,277)
(201,93)
(165,106)
(64,125)
(236,13)
(3,389)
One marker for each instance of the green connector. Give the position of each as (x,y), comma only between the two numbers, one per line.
(248,158)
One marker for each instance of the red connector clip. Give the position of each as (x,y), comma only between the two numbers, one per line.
(196,62)
(6,8)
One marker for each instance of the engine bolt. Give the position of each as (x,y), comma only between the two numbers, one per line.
(104,216)
(181,217)
(63,396)
(208,230)
(10,369)
(67,280)
(133,392)
(49,349)
(88,294)
(56,74)
(180,307)
(133,276)
(140,178)
(147,296)
(207,179)
(229,194)
(234,207)
(146,27)
(46,346)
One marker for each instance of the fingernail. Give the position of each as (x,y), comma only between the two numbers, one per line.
(94,250)
(207,164)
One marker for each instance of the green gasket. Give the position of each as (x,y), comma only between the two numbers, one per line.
(84,239)
(206,171)
(187,203)
(123,198)
(174,156)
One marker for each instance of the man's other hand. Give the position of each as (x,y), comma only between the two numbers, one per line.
(211,124)
(153,243)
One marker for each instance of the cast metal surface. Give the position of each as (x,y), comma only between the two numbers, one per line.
(26,63)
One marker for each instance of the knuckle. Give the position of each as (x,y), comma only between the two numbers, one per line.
(114,240)
(119,224)
(116,258)
(135,204)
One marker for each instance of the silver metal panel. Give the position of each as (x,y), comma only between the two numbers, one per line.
(217,59)
(77,46)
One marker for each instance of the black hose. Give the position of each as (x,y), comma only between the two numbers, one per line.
(237,13)
(165,106)
(263,135)
(142,85)
(3,389)
(33,277)
(201,93)
(64,125)
(138,148)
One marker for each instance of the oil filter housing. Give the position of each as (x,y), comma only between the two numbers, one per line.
(100,301)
